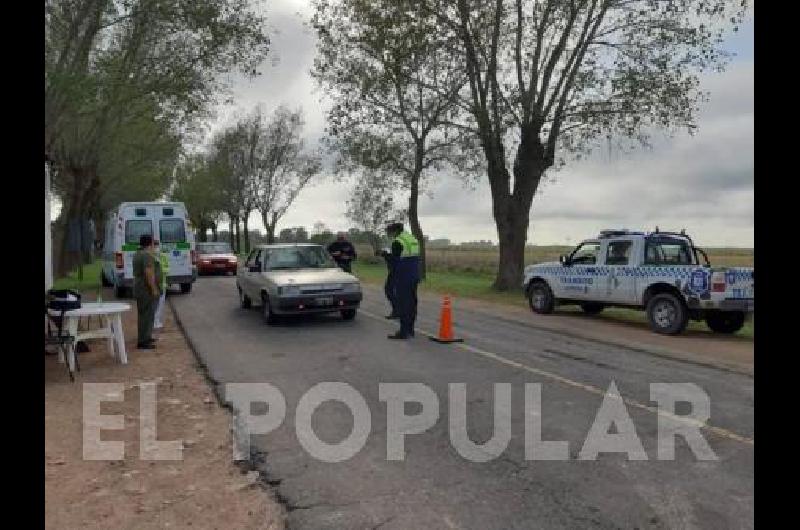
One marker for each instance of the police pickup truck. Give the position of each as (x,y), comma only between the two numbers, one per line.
(659,272)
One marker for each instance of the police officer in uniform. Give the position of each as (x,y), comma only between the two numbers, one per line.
(146,290)
(403,261)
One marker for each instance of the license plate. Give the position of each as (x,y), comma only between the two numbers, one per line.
(324,301)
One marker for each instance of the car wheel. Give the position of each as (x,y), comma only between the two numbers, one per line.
(244,300)
(667,314)
(348,314)
(541,298)
(592,308)
(725,321)
(104,281)
(266,308)
(186,288)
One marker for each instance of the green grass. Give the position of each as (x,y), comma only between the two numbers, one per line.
(477,285)
(88,286)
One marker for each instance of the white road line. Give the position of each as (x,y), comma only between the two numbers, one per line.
(719,431)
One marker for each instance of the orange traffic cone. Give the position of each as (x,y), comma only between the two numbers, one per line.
(446,323)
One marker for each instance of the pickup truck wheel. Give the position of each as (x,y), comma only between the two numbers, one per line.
(540,298)
(592,308)
(244,300)
(667,314)
(266,308)
(348,314)
(725,321)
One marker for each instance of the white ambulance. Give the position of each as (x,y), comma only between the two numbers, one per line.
(168,223)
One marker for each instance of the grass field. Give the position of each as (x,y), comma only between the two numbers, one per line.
(88,286)
(470,273)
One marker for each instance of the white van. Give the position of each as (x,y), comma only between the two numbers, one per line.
(168,223)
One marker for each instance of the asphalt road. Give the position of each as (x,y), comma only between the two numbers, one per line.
(435,487)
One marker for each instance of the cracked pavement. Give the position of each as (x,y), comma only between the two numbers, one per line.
(434,487)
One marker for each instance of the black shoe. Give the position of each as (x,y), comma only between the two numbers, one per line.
(398,335)
(392,317)
(146,346)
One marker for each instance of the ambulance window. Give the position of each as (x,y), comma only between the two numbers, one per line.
(168,211)
(172,231)
(136,229)
(140,212)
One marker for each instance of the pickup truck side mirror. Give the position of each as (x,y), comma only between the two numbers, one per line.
(564,260)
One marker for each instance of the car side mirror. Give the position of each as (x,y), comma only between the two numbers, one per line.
(564,260)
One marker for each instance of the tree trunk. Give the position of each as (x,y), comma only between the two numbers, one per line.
(231,233)
(238,227)
(245,219)
(512,210)
(413,212)
(214,232)
(269,226)
(512,231)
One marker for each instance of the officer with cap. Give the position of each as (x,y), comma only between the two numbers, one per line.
(403,259)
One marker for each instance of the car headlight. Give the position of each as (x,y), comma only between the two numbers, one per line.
(289,290)
(352,287)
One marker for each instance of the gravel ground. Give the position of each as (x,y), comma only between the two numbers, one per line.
(205,489)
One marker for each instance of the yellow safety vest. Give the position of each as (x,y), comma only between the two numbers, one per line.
(409,243)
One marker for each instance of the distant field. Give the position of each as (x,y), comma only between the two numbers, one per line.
(456,259)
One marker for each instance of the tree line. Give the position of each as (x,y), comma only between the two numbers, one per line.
(258,163)
(126,84)
(500,93)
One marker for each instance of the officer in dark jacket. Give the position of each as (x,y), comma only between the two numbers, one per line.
(404,264)
(388,286)
(343,252)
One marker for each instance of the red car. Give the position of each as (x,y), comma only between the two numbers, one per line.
(213,258)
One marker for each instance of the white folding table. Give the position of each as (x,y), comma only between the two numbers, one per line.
(111,329)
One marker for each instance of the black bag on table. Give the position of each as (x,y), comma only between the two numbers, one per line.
(64,300)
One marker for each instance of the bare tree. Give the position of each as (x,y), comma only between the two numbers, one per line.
(284,166)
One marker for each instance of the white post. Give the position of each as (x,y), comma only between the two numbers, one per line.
(48,241)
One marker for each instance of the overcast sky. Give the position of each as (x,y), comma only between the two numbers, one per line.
(702,183)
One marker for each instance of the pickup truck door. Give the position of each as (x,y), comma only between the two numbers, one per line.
(579,277)
(618,283)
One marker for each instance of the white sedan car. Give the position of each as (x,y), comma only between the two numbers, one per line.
(291,279)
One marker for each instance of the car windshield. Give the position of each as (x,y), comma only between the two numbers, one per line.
(214,248)
(311,257)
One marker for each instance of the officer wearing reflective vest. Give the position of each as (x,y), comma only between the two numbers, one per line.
(403,260)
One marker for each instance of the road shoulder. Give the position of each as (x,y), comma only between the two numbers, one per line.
(203,489)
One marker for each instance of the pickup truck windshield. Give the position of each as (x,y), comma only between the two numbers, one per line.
(668,251)
(297,258)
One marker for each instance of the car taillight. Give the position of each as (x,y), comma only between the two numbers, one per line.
(118,260)
(194,257)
